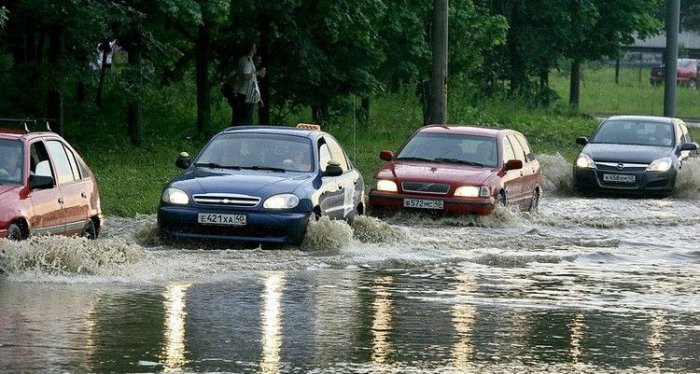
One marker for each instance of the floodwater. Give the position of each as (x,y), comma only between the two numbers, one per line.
(583,285)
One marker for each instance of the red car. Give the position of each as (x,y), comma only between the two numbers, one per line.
(686,73)
(458,169)
(45,187)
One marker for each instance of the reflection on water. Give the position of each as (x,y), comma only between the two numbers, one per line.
(271,323)
(463,318)
(382,321)
(174,304)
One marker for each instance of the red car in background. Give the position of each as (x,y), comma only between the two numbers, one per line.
(686,73)
(45,187)
(458,169)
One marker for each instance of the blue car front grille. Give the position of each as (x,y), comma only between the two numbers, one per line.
(234,200)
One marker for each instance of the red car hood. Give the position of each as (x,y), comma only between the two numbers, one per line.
(7,188)
(437,173)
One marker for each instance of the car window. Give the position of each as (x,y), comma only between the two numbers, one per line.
(457,148)
(11,161)
(634,132)
(508,153)
(38,156)
(337,152)
(517,149)
(236,150)
(324,155)
(64,168)
(529,156)
(686,136)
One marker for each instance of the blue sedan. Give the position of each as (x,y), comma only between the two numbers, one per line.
(260,184)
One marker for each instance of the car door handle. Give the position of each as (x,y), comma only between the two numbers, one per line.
(60,200)
(83,194)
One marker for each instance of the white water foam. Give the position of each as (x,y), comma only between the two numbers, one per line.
(557,177)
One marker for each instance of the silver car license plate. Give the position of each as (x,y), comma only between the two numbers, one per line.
(423,204)
(222,219)
(618,178)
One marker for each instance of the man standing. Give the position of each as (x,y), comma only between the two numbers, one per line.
(245,88)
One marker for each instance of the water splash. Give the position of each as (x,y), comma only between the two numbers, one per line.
(688,180)
(59,255)
(327,235)
(374,230)
(557,178)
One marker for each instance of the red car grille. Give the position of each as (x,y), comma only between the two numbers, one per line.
(427,188)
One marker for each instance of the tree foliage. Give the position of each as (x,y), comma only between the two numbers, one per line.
(319,54)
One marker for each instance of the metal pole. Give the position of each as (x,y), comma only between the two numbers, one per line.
(673,11)
(439,76)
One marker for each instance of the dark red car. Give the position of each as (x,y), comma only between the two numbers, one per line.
(686,73)
(458,169)
(45,187)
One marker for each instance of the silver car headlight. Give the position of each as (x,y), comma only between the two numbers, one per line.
(386,185)
(175,196)
(585,161)
(472,191)
(283,201)
(662,164)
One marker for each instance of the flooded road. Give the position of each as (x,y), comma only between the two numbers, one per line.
(583,285)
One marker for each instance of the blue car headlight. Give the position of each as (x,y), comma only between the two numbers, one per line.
(175,196)
(661,164)
(282,201)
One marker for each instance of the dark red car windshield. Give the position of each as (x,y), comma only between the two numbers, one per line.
(451,148)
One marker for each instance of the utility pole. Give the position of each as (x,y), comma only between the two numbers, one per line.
(673,12)
(438,112)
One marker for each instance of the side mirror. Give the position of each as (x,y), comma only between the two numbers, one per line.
(386,155)
(689,147)
(183,160)
(582,140)
(333,169)
(513,165)
(40,182)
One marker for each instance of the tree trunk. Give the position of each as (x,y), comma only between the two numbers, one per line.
(439,75)
(134,107)
(574,87)
(263,51)
(202,76)
(364,112)
(54,97)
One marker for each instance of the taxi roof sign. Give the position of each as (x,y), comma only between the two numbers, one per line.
(308,126)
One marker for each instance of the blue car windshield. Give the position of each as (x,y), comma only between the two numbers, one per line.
(11,161)
(634,133)
(257,151)
(451,148)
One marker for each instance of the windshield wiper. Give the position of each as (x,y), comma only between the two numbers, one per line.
(257,167)
(458,161)
(414,159)
(214,165)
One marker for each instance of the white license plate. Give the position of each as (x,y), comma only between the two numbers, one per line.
(222,219)
(423,204)
(619,178)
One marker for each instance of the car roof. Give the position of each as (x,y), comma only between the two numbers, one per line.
(660,119)
(466,130)
(279,130)
(21,135)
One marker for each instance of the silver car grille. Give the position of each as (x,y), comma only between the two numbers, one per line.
(620,166)
(425,188)
(234,200)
